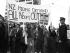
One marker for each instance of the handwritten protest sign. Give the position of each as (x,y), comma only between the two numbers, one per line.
(22,12)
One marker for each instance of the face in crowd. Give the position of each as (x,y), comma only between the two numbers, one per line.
(52,28)
(62,20)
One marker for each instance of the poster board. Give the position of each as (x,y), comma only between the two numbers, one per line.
(68,34)
(21,11)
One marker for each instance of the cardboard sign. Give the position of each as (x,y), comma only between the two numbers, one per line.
(68,34)
(23,12)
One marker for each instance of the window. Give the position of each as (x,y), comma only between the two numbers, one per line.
(36,2)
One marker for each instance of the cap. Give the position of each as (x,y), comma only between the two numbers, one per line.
(62,18)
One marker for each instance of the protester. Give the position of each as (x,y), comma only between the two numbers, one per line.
(33,38)
(30,31)
(62,36)
(3,36)
(18,39)
(52,40)
(12,34)
(40,40)
(46,34)
(6,36)
(24,42)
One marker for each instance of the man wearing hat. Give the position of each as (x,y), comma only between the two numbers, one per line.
(62,20)
(62,35)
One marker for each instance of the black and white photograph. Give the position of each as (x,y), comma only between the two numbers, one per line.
(35,26)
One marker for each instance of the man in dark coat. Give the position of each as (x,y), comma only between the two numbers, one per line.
(40,40)
(2,37)
(12,35)
(20,41)
(6,37)
(63,35)
(18,38)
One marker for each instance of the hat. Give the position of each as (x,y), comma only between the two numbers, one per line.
(62,18)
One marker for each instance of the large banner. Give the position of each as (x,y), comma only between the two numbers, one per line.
(25,12)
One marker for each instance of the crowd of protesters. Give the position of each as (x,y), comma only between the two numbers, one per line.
(33,38)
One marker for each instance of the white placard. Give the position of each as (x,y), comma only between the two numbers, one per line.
(22,12)
(68,34)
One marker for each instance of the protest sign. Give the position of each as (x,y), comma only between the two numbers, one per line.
(23,12)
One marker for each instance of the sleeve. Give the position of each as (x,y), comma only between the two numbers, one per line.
(26,38)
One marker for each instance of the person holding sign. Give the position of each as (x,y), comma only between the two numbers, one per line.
(52,40)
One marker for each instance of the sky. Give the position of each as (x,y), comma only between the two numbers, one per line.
(2,7)
(58,8)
